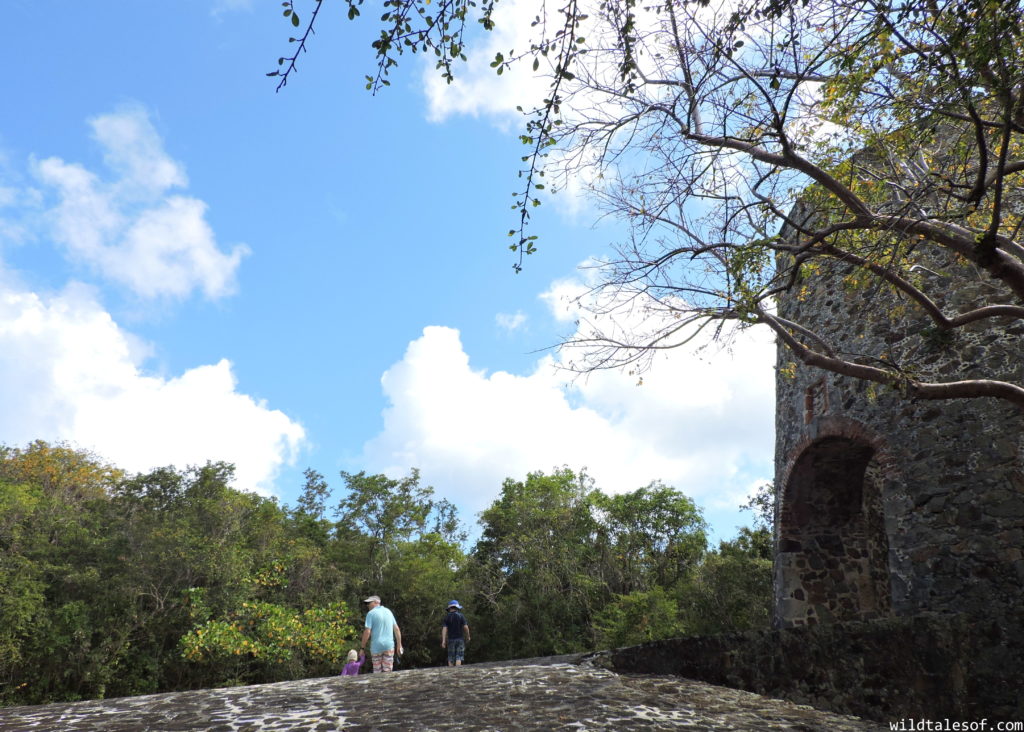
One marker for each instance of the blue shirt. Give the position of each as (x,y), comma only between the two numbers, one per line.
(382,624)
(454,622)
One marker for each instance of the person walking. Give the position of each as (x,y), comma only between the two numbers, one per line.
(353,664)
(382,633)
(455,634)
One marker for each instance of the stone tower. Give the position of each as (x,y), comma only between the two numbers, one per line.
(888,506)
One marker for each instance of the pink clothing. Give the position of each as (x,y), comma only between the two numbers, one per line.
(352,669)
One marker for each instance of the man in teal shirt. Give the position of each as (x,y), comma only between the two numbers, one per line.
(383,635)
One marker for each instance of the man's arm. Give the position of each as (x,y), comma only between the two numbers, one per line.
(465,631)
(444,636)
(398,639)
(366,639)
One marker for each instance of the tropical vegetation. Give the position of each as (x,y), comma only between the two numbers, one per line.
(116,584)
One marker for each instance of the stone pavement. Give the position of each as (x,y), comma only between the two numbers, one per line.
(558,693)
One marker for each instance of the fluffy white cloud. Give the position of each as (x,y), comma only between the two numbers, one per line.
(519,25)
(702,422)
(477,89)
(68,372)
(562,298)
(133,230)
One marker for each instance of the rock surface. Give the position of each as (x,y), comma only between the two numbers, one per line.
(556,693)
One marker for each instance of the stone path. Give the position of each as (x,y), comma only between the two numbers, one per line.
(525,696)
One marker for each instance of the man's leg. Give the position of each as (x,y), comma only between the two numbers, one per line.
(456,651)
(383,662)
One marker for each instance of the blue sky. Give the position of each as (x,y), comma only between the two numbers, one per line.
(194,267)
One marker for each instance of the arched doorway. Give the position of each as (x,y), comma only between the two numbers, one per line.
(832,557)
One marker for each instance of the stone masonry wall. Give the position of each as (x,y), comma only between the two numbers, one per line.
(890,506)
(930,666)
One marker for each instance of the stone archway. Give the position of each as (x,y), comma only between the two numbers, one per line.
(832,557)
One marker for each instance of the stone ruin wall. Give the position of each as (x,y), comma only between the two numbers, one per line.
(928,666)
(888,506)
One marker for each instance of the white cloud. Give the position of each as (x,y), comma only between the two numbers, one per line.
(132,149)
(562,299)
(68,372)
(702,423)
(519,25)
(477,89)
(510,322)
(132,230)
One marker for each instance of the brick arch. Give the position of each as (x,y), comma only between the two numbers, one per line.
(832,558)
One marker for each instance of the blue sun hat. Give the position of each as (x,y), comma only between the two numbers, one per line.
(455,604)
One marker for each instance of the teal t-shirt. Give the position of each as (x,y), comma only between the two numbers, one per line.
(381,623)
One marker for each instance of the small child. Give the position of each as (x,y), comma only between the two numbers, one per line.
(354,662)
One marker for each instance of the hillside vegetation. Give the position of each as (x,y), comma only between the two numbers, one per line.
(114,584)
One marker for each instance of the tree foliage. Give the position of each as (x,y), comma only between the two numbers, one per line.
(754,146)
(269,642)
(108,582)
(536,564)
(115,584)
(562,567)
(654,535)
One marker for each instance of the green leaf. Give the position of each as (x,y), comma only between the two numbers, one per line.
(295,19)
